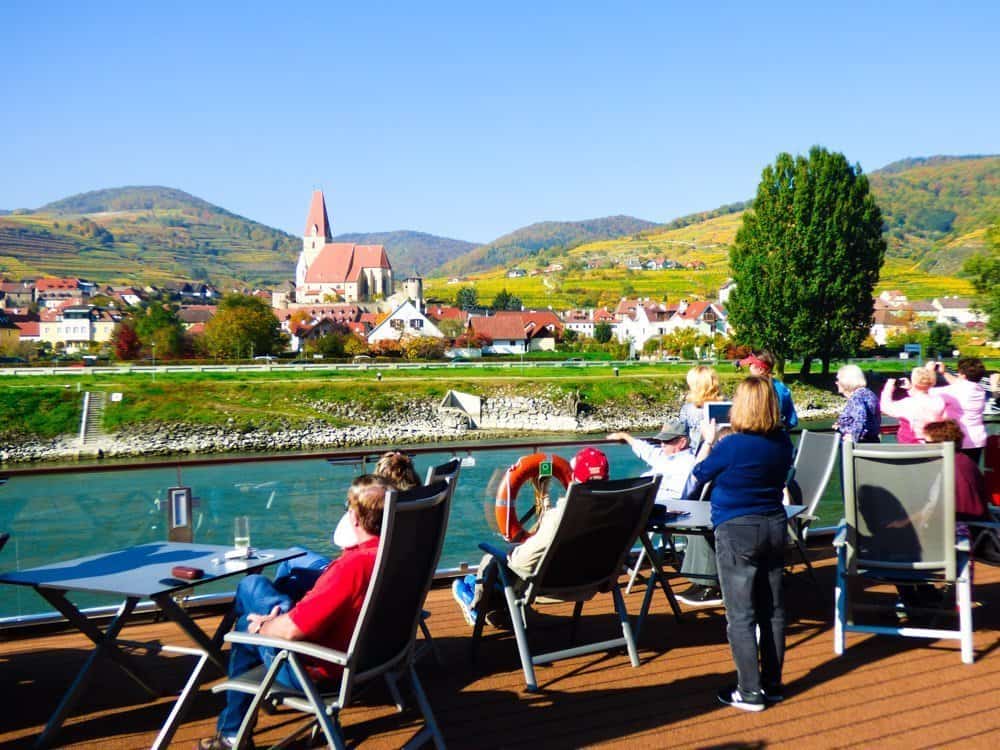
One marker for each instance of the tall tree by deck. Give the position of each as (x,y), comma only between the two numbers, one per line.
(807,258)
(985,271)
(242,327)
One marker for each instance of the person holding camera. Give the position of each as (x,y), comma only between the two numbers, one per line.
(965,400)
(919,407)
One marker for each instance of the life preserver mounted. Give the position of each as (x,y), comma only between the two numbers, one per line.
(524,469)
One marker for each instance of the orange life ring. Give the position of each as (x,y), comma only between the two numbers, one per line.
(526,468)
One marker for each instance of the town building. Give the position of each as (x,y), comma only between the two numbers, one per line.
(329,271)
(405,320)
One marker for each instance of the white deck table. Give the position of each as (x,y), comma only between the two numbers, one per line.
(137,573)
(683,517)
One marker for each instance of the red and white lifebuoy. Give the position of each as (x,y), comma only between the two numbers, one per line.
(524,470)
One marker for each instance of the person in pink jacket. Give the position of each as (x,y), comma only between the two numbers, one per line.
(920,406)
(965,400)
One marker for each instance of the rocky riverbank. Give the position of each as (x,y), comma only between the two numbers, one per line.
(409,421)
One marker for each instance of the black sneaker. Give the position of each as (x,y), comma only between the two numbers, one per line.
(773,693)
(701,596)
(733,696)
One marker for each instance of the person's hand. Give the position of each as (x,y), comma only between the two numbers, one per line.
(904,383)
(708,430)
(255,622)
(618,436)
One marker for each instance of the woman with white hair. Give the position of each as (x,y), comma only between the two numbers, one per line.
(860,420)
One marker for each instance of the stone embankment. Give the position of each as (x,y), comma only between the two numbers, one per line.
(413,421)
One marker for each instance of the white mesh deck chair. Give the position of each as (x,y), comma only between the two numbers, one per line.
(814,462)
(600,522)
(384,639)
(900,528)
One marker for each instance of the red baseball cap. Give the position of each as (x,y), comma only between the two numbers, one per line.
(753,360)
(589,464)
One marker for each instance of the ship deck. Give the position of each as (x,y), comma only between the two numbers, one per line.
(898,692)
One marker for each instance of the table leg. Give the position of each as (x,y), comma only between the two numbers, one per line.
(104,645)
(175,612)
(657,560)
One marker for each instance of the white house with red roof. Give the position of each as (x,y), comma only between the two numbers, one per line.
(706,317)
(52,293)
(328,270)
(405,320)
(956,311)
(506,332)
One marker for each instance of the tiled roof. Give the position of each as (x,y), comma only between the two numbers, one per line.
(340,262)
(47,285)
(196,313)
(446,312)
(498,327)
(318,217)
(954,303)
(694,310)
(29,327)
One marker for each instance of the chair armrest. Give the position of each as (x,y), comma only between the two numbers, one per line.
(841,537)
(499,554)
(305,648)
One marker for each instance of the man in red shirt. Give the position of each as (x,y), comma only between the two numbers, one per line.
(326,614)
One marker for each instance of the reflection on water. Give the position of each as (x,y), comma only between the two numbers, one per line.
(62,516)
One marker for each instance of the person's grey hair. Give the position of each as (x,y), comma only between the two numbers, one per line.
(851,377)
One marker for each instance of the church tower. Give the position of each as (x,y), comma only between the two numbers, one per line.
(316,235)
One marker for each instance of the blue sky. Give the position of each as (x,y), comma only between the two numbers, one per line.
(470,120)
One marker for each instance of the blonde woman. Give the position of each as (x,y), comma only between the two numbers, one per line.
(703,386)
(919,407)
(748,471)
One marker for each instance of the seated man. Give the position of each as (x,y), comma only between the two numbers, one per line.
(673,459)
(326,614)
(589,464)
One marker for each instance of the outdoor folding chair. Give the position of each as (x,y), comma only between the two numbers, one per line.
(599,523)
(900,528)
(447,472)
(814,462)
(384,639)
(991,474)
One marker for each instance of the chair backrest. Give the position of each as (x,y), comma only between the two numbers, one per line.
(599,523)
(814,462)
(448,471)
(899,502)
(413,529)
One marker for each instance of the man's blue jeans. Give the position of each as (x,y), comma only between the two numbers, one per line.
(750,553)
(255,594)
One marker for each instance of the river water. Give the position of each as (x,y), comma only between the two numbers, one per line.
(61,516)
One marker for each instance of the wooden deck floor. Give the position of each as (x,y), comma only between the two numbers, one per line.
(891,691)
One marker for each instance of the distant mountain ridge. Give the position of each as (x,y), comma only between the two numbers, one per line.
(554,237)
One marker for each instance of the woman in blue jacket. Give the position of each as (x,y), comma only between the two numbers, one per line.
(748,471)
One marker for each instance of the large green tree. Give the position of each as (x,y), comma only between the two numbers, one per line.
(985,271)
(806,259)
(160,325)
(243,326)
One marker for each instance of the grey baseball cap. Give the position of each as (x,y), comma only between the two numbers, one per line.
(674,428)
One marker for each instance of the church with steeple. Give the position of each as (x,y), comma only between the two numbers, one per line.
(330,271)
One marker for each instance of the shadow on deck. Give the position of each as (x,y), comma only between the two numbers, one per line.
(897,692)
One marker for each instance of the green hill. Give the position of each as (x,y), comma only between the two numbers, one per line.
(144,235)
(552,237)
(412,253)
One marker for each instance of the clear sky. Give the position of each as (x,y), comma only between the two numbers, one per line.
(472,119)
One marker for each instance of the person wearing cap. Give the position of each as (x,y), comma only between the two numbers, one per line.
(588,465)
(761,365)
(670,456)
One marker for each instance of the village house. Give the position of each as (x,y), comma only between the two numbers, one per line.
(329,271)
(17,293)
(886,323)
(583,322)
(10,334)
(52,293)
(192,315)
(77,326)
(506,333)
(955,311)
(647,320)
(707,318)
(405,320)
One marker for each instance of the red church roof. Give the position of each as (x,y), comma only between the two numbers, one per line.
(340,262)
(317,217)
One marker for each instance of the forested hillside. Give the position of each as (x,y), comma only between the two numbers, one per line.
(144,235)
(554,237)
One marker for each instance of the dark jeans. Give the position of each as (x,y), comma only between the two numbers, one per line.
(750,554)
